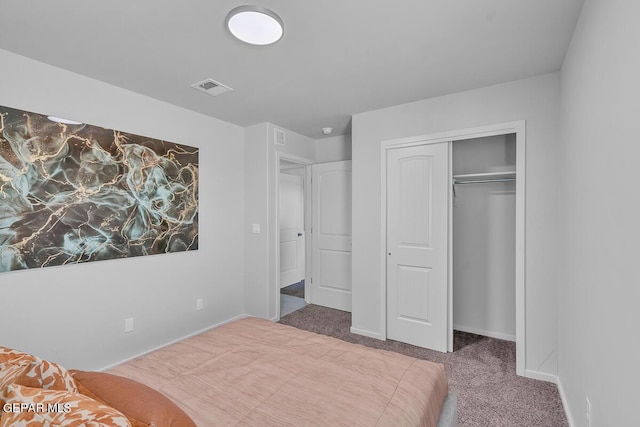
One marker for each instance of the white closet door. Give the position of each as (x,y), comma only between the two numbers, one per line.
(331,212)
(417,244)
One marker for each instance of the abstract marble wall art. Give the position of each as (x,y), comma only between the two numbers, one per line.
(79,193)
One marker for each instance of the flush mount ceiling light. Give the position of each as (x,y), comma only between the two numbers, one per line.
(255,25)
(62,120)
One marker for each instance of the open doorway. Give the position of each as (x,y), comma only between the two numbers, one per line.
(292,235)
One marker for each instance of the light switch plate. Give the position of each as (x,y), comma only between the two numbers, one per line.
(128,324)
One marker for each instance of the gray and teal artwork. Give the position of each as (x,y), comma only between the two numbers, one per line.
(78,193)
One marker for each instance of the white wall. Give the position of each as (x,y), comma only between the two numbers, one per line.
(536,100)
(598,216)
(333,149)
(256,203)
(75,314)
(484,239)
(261,178)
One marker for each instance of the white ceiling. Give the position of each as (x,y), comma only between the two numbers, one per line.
(337,57)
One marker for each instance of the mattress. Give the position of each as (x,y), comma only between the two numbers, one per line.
(256,372)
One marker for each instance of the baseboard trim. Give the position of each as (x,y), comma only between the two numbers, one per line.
(364,332)
(489,334)
(535,375)
(565,404)
(193,334)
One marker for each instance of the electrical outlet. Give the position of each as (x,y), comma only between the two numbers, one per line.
(199,304)
(588,412)
(128,325)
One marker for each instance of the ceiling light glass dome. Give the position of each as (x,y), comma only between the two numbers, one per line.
(255,25)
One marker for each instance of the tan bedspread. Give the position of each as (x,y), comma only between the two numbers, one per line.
(255,372)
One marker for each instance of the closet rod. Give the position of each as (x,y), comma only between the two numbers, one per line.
(479,181)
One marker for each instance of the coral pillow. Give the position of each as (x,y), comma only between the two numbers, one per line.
(134,423)
(137,401)
(32,406)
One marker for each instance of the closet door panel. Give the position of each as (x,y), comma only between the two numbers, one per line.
(417,244)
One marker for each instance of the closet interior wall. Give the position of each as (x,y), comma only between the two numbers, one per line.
(484,237)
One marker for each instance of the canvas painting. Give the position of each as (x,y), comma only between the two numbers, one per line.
(72,193)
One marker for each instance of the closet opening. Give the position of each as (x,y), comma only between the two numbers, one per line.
(424,177)
(483,218)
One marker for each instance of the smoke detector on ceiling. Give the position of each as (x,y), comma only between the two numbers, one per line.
(211,87)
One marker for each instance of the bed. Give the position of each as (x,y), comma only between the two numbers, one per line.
(256,372)
(249,372)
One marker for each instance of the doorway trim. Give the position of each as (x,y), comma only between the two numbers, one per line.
(275,266)
(519,129)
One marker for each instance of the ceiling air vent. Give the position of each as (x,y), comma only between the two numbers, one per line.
(211,87)
(278,136)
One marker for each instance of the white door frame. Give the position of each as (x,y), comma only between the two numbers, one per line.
(519,129)
(275,265)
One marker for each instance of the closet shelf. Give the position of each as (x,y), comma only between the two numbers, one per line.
(469,178)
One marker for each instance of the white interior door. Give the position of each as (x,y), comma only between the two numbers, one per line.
(417,244)
(331,204)
(292,238)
